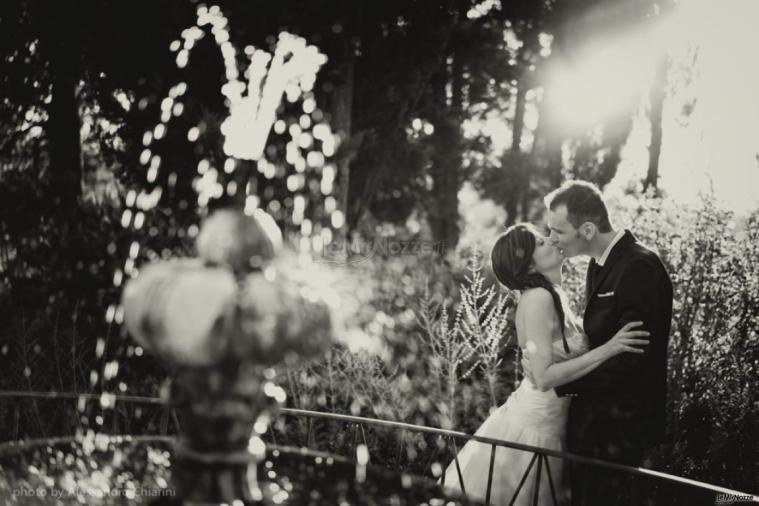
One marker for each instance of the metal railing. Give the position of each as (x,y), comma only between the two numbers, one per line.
(540,455)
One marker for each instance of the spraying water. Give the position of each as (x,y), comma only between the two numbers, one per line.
(253,97)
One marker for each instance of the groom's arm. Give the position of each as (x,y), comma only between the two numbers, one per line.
(638,295)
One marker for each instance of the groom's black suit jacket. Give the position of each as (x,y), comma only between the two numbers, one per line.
(618,408)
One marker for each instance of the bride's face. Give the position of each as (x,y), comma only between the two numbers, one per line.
(546,256)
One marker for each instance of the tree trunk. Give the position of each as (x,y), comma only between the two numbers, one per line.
(518,125)
(342,108)
(447,157)
(546,148)
(64,124)
(446,167)
(656,104)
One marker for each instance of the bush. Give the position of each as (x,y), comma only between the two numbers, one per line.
(713,394)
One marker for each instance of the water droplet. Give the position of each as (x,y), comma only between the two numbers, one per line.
(305,140)
(159,131)
(100,346)
(111,311)
(182,58)
(111,370)
(139,220)
(119,316)
(256,447)
(309,105)
(315,159)
(362,455)
(107,400)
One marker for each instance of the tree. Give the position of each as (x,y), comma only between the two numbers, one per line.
(596,153)
(655,109)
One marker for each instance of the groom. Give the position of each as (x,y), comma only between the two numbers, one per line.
(617,411)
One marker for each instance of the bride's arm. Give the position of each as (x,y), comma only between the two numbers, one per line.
(540,322)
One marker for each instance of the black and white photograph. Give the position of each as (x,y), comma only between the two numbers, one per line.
(361,252)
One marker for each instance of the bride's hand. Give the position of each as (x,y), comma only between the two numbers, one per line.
(627,340)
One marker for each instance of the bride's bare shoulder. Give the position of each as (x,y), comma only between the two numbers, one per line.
(538,295)
(535,300)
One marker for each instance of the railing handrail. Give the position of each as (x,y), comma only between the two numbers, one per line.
(414,428)
(76,395)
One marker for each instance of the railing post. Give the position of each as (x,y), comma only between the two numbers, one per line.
(115,419)
(536,492)
(524,478)
(490,474)
(400,445)
(458,467)
(355,439)
(165,421)
(16,420)
(550,481)
(363,435)
(445,440)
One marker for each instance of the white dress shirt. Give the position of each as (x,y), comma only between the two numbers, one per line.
(601,261)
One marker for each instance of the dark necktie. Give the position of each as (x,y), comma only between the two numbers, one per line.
(595,273)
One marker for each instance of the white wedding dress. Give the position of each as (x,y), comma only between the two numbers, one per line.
(529,417)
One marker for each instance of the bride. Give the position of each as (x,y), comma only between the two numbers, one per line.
(556,350)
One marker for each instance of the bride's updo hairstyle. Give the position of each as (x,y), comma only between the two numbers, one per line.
(512,258)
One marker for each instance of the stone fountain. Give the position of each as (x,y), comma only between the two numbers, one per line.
(221,322)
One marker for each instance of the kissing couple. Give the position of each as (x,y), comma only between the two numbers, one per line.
(593,386)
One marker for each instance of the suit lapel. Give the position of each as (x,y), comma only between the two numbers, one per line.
(627,240)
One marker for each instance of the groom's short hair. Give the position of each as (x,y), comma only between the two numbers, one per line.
(584,203)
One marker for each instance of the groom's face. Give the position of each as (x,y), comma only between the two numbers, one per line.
(563,234)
